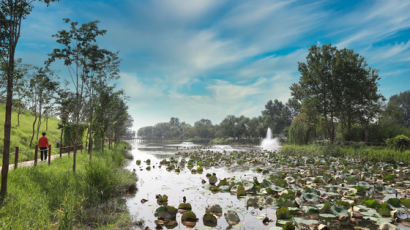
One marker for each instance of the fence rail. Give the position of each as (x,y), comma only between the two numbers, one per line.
(68,149)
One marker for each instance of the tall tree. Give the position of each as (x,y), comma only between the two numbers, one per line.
(78,52)
(12,13)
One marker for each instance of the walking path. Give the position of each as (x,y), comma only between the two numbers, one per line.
(31,163)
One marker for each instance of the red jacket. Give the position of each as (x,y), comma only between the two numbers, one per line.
(43,142)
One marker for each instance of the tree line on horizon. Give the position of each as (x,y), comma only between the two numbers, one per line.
(86,103)
(336,100)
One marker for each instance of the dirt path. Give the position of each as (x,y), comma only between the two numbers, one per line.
(31,163)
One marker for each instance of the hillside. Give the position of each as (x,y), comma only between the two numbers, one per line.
(21,135)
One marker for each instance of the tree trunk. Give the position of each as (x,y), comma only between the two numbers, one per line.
(61,135)
(34,128)
(7,126)
(18,116)
(90,137)
(39,116)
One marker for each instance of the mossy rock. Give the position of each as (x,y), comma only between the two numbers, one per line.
(232,218)
(148,168)
(138,162)
(185,206)
(189,216)
(288,226)
(212,179)
(209,220)
(215,209)
(252,202)
(200,170)
(166,213)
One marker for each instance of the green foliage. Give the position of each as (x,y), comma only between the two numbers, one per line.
(288,226)
(21,135)
(326,208)
(283,213)
(399,143)
(300,132)
(241,191)
(371,203)
(374,154)
(50,197)
(185,206)
(384,210)
(405,202)
(395,202)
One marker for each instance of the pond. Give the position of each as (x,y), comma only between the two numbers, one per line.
(301,187)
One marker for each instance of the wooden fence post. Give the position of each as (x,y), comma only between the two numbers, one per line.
(74,157)
(49,154)
(61,150)
(16,157)
(35,155)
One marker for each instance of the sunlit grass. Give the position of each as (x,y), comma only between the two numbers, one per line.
(51,197)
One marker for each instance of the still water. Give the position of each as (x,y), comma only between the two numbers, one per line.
(176,186)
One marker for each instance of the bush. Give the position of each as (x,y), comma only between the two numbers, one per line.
(399,143)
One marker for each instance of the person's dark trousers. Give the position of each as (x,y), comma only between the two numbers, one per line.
(43,150)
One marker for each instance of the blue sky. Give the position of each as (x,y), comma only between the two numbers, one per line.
(198,59)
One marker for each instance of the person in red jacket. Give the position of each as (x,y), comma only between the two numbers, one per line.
(43,145)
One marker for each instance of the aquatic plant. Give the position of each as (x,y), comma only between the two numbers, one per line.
(384,210)
(162,199)
(240,191)
(395,202)
(371,203)
(288,226)
(283,213)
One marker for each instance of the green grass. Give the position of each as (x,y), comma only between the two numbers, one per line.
(53,197)
(366,153)
(21,135)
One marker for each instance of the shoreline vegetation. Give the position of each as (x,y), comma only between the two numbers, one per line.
(358,151)
(52,197)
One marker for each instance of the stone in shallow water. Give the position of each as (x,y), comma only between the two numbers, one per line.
(232,217)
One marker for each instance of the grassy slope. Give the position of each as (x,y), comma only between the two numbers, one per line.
(21,135)
(52,197)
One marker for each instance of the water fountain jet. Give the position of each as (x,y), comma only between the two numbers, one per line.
(269,143)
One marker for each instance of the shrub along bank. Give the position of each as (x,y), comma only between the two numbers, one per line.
(366,153)
(53,197)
